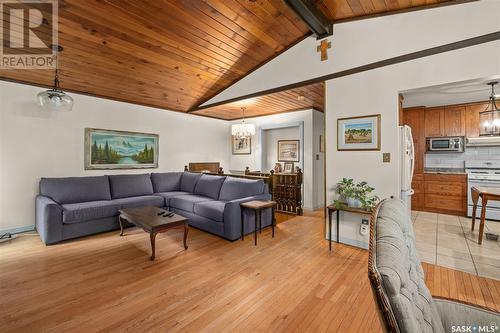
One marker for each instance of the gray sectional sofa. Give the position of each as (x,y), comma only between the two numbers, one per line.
(78,206)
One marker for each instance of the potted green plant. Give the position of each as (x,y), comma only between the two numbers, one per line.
(355,195)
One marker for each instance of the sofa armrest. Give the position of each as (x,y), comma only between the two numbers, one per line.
(456,313)
(232,215)
(48,219)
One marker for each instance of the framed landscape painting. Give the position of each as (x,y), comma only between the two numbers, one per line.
(107,149)
(359,133)
(241,146)
(288,150)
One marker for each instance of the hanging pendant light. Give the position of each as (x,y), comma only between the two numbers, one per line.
(489,119)
(55,99)
(243,130)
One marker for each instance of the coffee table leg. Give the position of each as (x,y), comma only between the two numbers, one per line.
(152,237)
(121,225)
(242,224)
(186,230)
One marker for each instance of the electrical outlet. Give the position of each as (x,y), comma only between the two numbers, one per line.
(364,227)
(386,157)
(317,157)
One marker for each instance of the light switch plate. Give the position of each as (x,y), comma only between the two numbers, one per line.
(386,157)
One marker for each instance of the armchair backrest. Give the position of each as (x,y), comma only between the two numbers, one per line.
(396,275)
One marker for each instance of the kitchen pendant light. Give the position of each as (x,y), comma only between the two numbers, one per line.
(489,119)
(243,130)
(55,99)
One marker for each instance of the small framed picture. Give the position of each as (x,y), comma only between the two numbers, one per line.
(241,146)
(288,150)
(359,133)
(288,167)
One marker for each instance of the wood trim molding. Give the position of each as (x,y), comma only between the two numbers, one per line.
(374,65)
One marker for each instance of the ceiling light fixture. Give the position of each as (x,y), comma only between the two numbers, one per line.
(55,99)
(490,117)
(243,130)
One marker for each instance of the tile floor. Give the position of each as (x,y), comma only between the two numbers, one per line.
(447,240)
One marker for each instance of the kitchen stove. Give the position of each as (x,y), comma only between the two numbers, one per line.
(483,173)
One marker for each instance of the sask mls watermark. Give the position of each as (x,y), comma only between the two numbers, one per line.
(28,32)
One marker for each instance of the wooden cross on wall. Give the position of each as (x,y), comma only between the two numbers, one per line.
(323,48)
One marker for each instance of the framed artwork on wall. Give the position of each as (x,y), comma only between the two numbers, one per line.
(358,133)
(288,167)
(288,150)
(242,146)
(109,149)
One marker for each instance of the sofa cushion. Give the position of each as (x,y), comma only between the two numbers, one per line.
(213,210)
(209,186)
(189,180)
(169,195)
(186,202)
(144,200)
(237,188)
(166,181)
(76,189)
(91,210)
(124,186)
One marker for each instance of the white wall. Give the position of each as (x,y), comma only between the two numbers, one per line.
(254,161)
(36,144)
(270,146)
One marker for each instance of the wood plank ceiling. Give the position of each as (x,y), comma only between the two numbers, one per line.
(175,54)
(311,96)
(344,10)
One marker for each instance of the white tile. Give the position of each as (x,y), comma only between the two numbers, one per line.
(488,271)
(455,263)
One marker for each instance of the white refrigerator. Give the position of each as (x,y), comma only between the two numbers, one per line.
(407,163)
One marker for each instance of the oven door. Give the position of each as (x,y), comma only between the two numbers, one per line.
(493,207)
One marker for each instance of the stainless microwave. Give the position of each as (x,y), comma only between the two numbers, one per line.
(453,144)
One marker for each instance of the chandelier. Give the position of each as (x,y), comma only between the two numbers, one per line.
(55,99)
(490,117)
(243,130)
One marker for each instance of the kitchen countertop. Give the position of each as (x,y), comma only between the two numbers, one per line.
(448,171)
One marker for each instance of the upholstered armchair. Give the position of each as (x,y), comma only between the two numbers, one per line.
(397,280)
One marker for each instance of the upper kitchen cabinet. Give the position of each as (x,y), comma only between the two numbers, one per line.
(445,121)
(472,119)
(434,122)
(454,121)
(414,117)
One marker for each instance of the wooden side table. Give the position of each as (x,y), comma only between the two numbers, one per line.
(485,193)
(334,208)
(257,206)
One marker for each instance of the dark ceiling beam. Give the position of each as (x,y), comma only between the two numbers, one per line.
(317,22)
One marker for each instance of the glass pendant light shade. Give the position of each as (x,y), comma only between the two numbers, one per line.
(489,119)
(243,130)
(55,100)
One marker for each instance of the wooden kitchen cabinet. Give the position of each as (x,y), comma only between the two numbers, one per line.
(472,118)
(418,198)
(445,193)
(454,121)
(445,121)
(414,117)
(434,122)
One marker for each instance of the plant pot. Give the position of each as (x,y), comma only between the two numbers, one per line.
(354,203)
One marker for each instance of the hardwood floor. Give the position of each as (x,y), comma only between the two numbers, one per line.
(290,283)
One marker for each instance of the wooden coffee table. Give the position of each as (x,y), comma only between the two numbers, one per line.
(148,219)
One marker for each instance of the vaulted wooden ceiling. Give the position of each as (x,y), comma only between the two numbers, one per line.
(177,54)
(301,98)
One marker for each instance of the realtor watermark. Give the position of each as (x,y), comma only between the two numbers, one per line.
(28,33)
(489,328)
